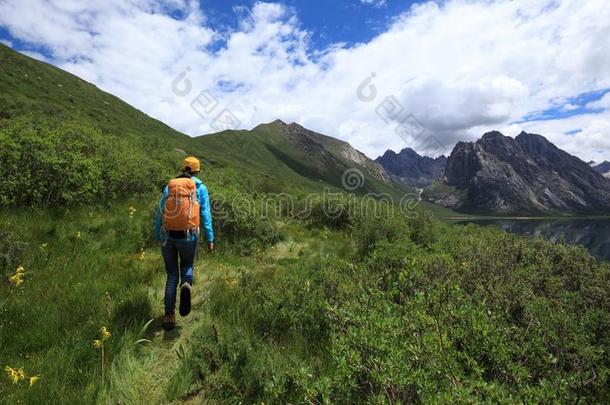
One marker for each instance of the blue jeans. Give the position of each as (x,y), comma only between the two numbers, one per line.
(177,254)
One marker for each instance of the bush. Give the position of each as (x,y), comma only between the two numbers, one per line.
(427,313)
(59,162)
(369,233)
(331,211)
(238,219)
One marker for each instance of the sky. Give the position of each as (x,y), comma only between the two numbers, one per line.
(380,74)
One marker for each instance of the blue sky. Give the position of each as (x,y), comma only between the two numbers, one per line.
(328,21)
(457,68)
(580,104)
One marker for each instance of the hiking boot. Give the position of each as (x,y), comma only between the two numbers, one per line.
(185,299)
(169,321)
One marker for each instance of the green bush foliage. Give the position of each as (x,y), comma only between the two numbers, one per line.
(239,219)
(70,162)
(334,211)
(424,312)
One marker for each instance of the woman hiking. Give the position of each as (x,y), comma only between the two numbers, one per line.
(183,209)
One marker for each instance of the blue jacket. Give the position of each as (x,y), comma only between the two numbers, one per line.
(205,212)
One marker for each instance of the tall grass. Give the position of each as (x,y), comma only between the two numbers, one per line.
(82,272)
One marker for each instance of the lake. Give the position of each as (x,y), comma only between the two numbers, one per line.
(593,234)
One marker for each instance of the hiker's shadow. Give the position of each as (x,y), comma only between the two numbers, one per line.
(171,335)
(156,328)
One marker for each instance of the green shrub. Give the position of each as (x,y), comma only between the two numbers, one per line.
(238,219)
(427,313)
(423,228)
(331,211)
(63,162)
(368,233)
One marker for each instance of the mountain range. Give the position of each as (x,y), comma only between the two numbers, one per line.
(525,175)
(410,168)
(603,168)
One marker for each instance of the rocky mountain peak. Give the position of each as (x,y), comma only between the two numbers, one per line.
(279,122)
(412,169)
(603,168)
(527,174)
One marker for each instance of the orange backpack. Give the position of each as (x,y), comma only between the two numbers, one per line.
(181,212)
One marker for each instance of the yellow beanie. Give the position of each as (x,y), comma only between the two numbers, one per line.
(191,162)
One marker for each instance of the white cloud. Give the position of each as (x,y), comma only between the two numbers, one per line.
(6,42)
(35,55)
(569,107)
(459,68)
(376,3)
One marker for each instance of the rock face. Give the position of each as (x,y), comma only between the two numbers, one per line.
(412,169)
(525,175)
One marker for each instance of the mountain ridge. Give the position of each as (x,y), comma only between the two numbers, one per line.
(603,168)
(412,169)
(290,151)
(522,175)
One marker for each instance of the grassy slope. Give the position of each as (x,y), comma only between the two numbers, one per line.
(30,86)
(48,323)
(271,310)
(267,150)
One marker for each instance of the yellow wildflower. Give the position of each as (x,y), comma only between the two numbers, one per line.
(34,379)
(15,375)
(97,343)
(142,254)
(17,278)
(105,333)
(78,235)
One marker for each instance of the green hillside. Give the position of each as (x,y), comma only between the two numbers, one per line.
(297,158)
(42,90)
(330,300)
(91,140)
(37,98)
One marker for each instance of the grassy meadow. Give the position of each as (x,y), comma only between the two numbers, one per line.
(319,309)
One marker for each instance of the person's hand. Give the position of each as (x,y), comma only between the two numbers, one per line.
(211,246)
